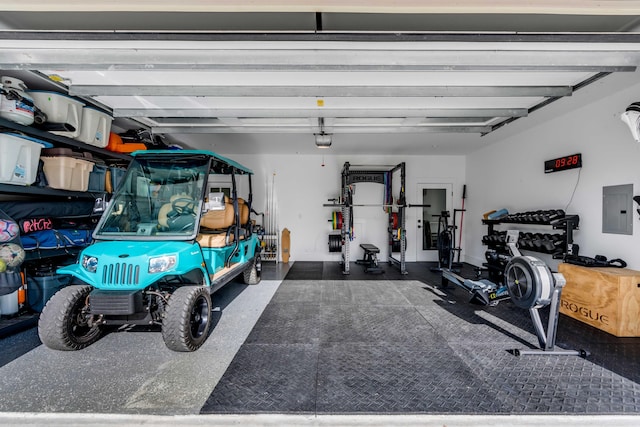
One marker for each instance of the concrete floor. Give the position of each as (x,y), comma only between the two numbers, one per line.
(129,378)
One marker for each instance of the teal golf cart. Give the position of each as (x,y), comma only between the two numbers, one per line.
(174,232)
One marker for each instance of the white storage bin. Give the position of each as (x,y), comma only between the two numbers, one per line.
(95,128)
(67,173)
(59,171)
(9,304)
(18,159)
(60,110)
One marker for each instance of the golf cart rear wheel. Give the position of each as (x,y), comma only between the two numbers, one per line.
(252,274)
(529,282)
(187,318)
(64,321)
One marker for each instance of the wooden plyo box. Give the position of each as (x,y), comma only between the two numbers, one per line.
(605,297)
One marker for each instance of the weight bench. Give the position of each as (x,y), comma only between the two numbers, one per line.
(370,259)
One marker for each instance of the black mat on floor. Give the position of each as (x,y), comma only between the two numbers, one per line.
(305,271)
(404,346)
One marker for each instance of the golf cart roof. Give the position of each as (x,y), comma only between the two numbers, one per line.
(238,169)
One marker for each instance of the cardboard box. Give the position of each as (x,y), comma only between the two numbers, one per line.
(607,298)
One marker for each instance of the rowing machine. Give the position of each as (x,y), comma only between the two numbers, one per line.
(530,285)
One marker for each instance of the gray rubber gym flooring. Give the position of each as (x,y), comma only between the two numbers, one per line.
(386,344)
(319,347)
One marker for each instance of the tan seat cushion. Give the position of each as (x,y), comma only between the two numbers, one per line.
(217,240)
(244,211)
(219,219)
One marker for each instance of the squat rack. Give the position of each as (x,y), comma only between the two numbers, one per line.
(385,177)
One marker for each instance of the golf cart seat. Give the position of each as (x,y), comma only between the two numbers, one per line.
(217,225)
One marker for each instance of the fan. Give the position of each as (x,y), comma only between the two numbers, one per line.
(632,118)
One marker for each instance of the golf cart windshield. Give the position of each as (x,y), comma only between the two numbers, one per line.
(160,197)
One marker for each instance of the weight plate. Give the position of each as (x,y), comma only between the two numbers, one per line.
(394,220)
(335,243)
(336,218)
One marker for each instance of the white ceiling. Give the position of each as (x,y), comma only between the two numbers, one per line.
(380,83)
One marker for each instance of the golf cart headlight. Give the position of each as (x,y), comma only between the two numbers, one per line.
(90,263)
(162,263)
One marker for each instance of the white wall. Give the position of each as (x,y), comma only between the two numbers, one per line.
(303,183)
(509,174)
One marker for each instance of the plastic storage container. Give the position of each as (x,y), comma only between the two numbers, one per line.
(64,114)
(59,171)
(80,177)
(97,178)
(42,287)
(67,173)
(19,159)
(10,281)
(114,176)
(9,304)
(15,104)
(116,144)
(95,128)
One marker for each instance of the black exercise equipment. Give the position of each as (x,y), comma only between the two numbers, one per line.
(370,259)
(350,177)
(598,261)
(397,220)
(481,291)
(462,210)
(444,242)
(335,243)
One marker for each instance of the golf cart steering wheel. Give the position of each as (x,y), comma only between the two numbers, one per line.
(184,206)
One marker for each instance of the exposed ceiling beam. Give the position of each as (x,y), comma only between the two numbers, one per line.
(321,112)
(584,7)
(52,39)
(306,130)
(319,91)
(97,59)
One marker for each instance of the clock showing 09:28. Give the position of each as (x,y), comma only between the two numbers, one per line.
(572,161)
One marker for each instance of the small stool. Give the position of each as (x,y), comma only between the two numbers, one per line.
(370,259)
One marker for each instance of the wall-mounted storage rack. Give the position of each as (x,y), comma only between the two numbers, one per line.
(557,244)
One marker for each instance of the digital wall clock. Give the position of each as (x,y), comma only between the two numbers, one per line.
(572,161)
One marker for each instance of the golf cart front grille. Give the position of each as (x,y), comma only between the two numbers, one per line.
(120,274)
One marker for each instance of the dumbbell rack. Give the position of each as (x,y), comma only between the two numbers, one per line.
(558,244)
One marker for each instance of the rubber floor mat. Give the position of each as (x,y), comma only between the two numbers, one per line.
(306,270)
(402,347)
